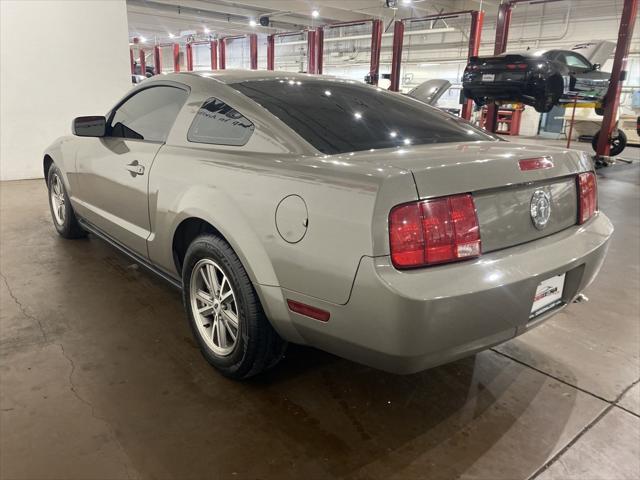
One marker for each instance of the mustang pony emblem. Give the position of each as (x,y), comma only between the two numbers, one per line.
(540,208)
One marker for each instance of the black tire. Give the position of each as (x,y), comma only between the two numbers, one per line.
(616,145)
(258,346)
(549,96)
(480,101)
(66,224)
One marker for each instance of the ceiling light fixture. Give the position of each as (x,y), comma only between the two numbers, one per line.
(171,35)
(206,30)
(142,39)
(252,23)
(315,13)
(406,2)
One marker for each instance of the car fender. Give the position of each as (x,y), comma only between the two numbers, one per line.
(62,153)
(222,214)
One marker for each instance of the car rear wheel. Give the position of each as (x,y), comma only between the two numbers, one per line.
(224,311)
(617,143)
(62,214)
(549,96)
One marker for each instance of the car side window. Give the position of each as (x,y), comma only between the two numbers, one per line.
(576,61)
(219,124)
(149,114)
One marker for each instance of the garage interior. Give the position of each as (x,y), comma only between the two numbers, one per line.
(100,377)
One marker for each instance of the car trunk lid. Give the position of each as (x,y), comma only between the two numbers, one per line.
(499,68)
(501,188)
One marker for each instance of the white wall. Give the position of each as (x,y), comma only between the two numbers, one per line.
(58,60)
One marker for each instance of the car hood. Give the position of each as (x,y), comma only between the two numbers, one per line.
(430,91)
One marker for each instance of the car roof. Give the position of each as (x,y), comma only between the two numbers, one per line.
(525,53)
(236,75)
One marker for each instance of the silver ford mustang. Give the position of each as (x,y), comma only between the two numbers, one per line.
(319,211)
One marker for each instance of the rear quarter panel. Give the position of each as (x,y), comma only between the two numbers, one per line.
(238,194)
(238,189)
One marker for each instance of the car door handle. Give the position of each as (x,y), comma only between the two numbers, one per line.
(135,168)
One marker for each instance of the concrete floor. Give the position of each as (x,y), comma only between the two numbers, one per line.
(100,378)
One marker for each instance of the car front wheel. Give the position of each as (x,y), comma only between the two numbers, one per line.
(62,214)
(226,317)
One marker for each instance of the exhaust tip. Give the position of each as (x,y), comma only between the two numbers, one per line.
(581,298)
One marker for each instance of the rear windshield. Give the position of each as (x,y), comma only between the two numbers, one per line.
(342,116)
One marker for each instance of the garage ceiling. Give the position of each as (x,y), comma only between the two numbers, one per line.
(157,19)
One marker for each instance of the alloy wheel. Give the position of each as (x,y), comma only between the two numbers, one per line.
(214,307)
(57,199)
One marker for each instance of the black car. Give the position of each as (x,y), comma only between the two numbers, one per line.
(541,79)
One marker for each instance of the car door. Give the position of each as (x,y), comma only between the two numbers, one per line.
(585,80)
(113,171)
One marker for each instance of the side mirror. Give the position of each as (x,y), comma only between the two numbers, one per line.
(596,66)
(89,126)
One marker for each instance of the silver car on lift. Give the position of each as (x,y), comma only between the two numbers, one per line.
(324,212)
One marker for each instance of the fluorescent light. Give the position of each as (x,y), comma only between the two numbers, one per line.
(171,35)
(142,39)
(406,2)
(206,30)
(252,23)
(315,13)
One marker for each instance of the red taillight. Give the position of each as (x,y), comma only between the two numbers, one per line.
(587,196)
(513,66)
(308,310)
(434,231)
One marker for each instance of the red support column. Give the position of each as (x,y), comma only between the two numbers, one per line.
(189,52)
(222,56)
(133,66)
(214,54)
(396,59)
(376,46)
(502,35)
(143,62)
(176,57)
(157,63)
(477,18)
(253,50)
(625,32)
(271,52)
(319,50)
(311,52)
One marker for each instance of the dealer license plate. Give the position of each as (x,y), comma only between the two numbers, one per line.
(488,77)
(548,295)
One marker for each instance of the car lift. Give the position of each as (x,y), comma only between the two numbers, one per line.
(376,45)
(157,61)
(141,58)
(253,50)
(477,18)
(312,65)
(618,74)
(213,45)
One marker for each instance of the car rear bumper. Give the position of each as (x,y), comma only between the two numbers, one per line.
(499,90)
(407,321)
